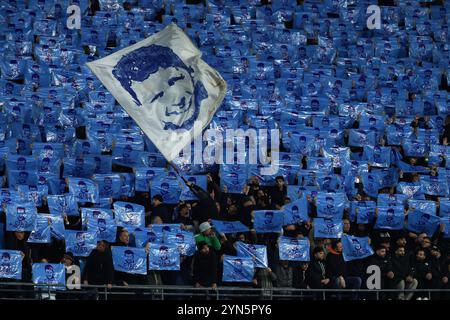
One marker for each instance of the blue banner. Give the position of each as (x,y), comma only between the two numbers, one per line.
(361,138)
(237,269)
(187,194)
(294,249)
(295,212)
(57,228)
(422,222)
(142,237)
(94,214)
(378,156)
(63,205)
(434,186)
(355,248)
(426,206)
(49,274)
(328,228)
(331,205)
(257,252)
(446,222)
(228,227)
(444,207)
(365,215)
(164,257)
(184,241)
(20,217)
(41,232)
(80,243)
(84,190)
(391,218)
(145,177)
(129,215)
(391,200)
(11,264)
(412,190)
(104,228)
(109,185)
(129,260)
(267,221)
(233,177)
(371,183)
(169,190)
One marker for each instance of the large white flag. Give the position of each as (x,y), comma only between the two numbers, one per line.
(165,86)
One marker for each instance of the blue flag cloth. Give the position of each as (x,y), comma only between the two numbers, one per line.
(129,215)
(228,227)
(80,243)
(267,221)
(109,185)
(422,222)
(234,177)
(361,138)
(331,205)
(355,248)
(446,222)
(57,228)
(200,181)
(104,228)
(294,249)
(142,237)
(166,227)
(391,200)
(11,264)
(391,218)
(371,183)
(365,215)
(51,275)
(237,269)
(20,217)
(444,207)
(328,228)
(41,232)
(434,186)
(145,177)
(62,205)
(94,214)
(184,241)
(426,206)
(84,190)
(412,190)
(129,260)
(378,156)
(257,252)
(295,212)
(169,190)
(164,257)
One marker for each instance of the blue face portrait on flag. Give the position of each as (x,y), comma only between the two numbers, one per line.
(419,222)
(129,260)
(257,252)
(184,241)
(20,217)
(80,243)
(293,249)
(227,227)
(237,269)
(266,221)
(129,214)
(295,212)
(62,205)
(49,274)
(41,232)
(10,264)
(391,218)
(105,229)
(328,228)
(164,257)
(354,248)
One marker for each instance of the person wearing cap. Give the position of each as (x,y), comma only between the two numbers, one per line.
(207,235)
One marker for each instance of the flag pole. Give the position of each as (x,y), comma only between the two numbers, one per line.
(177,171)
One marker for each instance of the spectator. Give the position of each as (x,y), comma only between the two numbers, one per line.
(403,279)
(422,272)
(318,273)
(99,266)
(159,209)
(207,235)
(205,267)
(301,276)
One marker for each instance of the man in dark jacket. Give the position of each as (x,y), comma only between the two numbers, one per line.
(422,272)
(99,268)
(318,274)
(206,207)
(205,267)
(159,209)
(403,272)
(438,270)
(381,260)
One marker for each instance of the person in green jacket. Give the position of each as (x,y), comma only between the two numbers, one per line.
(207,235)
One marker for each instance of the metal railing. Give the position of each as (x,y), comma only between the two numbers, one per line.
(21,290)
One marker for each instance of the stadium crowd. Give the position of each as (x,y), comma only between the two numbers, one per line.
(363,116)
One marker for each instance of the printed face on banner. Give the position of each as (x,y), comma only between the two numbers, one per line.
(156,77)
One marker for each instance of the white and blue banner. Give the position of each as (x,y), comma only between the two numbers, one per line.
(328,228)
(129,260)
(295,212)
(41,232)
(80,243)
(165,86)
(228,227)
(419,222)
(142,237)
(331,205)
(164,257)
(49,274)
(255,251)
(237,269)
(268,221)
(186,193)
(294,249)
(184,240)
(20,216)
(391,218)
(65,204)
(355,248)
(129,215)
(11,264)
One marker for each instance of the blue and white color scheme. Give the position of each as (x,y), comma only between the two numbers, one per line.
(228,227)
(164,257)
(129,260)
(254,251)
(164,85)
(328,228)
(10,264)
(237,269)
(80,243)
(50,274)
(268,221)
(293,249)
(355,248)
